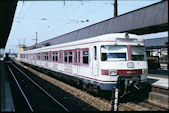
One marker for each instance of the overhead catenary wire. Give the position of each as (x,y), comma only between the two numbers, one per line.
(79,17)
(94,10)
(41,28)
(53,22)
(18,22)
(53,18)
(27,10)
(21,20)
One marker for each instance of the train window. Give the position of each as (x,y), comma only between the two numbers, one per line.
(70,56)
(85,57)
(65,56)
(95,53)
(53,56)
(56,56)
(46,56)
(78,60)
(112,52)
(104,57)
(137,53)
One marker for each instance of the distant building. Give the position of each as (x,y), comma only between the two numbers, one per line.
(21,48)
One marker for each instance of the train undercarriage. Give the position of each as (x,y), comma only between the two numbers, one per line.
(125,84)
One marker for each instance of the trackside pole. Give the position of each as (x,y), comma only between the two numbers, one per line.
(115,99)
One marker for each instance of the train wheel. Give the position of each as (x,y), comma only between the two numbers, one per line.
(89,89)
(84,87)
(80,84)
(96,91)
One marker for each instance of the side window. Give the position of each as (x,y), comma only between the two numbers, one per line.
(65,56)
(85,56)
(78,60)
(70,56)
(95,52)
(53,56)
(56,56)
(46,56)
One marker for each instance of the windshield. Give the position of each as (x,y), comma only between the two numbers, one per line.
(137,53)
(113,52)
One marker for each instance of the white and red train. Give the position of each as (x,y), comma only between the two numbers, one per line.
(103,62)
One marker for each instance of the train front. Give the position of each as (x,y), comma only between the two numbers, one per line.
(124,62)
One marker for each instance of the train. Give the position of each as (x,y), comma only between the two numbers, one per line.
(101,63)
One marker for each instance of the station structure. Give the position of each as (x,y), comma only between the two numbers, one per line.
(146,20)
(158,47)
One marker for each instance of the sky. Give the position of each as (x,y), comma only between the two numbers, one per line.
(54,18)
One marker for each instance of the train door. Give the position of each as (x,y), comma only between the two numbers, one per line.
(77,61)
(95,70)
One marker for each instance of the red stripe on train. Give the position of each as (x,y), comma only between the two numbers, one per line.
(129,72)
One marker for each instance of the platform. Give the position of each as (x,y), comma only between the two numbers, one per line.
(158,78)
(157,81)
(6,95)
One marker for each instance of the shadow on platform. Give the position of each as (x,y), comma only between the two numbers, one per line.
(158,72)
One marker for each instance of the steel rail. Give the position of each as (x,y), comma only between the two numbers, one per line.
(41,89)
(21,90)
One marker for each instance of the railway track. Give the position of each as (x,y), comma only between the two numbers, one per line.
(36,98)
(133,102)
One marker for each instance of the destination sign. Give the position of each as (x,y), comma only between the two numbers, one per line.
(126,40)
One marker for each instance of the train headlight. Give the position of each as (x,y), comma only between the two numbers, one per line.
(130,65)
(112,72)
(144,71)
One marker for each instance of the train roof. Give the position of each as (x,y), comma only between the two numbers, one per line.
(101,38)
